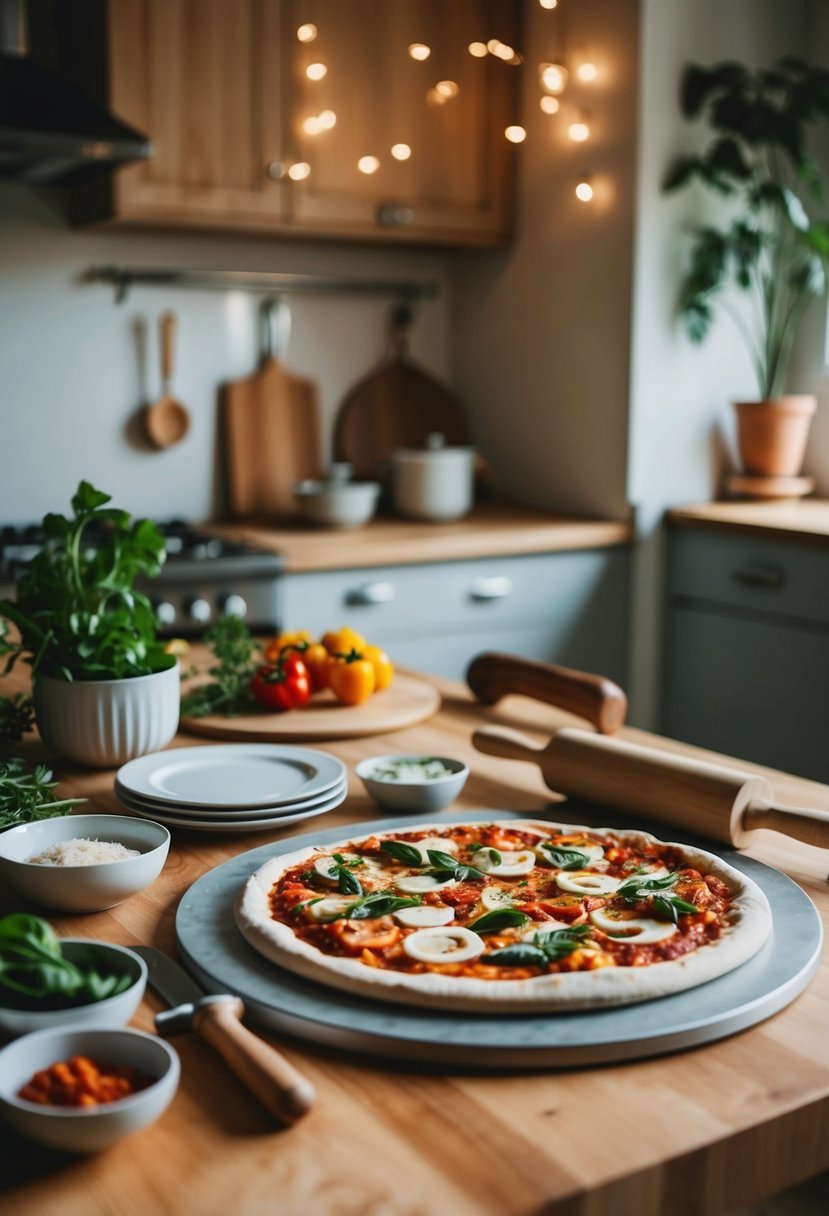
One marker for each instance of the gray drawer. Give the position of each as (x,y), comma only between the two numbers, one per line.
(766,576)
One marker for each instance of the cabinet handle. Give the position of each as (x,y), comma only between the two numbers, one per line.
(770,577)
(394,215)
(484,589)
(370,594)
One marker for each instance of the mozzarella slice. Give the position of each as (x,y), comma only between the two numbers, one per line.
(496,897)
(511,865)
(433,842)
(330,908)
(635,929)
(426,915)
(584,882)
(444,944)
(545,928)
(323,867)
(417,884)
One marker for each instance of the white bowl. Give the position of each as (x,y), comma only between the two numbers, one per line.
(413,795)
(337,504)
(103,723)
(86,1129)
(82,888)
(112,1011)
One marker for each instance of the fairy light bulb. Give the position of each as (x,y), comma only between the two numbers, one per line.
(316,71)
(419,51)
(299,171)
(550,105)
(587,72)
(478,50)
(312,125)
(515,134)
(579,130)
(368,164)
(327,119)
(436,98)
(584,190)
(401,151)
(548,4)
(553,77)
(447,88)
(306,32)
(504,52)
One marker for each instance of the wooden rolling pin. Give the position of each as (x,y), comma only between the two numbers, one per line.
(596,699)
(723,803)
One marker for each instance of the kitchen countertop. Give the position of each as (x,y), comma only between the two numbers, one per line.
(805,519)
(698,1133)
(489,531)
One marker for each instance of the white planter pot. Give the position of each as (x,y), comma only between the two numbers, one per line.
(104,723)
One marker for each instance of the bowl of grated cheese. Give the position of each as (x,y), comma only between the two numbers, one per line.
(82,863)
(413,783)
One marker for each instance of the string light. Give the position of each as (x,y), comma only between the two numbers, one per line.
(401,151)
(368,164)
(587,72)
(307,32)
(447,88)
(584,189)
(478,50)
(553,77)
(316,71)
(327,119)
(494,45)
(299,171)
(548,3)
(419,50)
(550,105)
(312,125)
(516,135)
(579,130)
(504,52)
(435,98)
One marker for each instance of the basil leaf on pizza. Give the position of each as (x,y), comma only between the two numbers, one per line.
(506,915)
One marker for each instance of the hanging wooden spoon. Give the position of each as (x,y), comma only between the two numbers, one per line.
(167,420)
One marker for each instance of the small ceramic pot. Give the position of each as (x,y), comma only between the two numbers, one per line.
(772,434)
(104,723)
(435,482)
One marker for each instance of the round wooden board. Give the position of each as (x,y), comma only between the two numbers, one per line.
(408,700)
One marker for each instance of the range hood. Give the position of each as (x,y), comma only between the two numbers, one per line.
(50,131)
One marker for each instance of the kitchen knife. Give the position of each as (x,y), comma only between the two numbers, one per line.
(492,675)
(283,1091)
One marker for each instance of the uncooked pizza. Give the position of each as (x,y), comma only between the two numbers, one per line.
(505,916)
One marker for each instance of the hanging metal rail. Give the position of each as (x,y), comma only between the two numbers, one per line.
(122,278)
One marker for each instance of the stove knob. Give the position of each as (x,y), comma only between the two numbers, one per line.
(165,612)
(199,610)
(233,605)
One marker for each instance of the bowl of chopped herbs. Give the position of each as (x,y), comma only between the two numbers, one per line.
(413,783)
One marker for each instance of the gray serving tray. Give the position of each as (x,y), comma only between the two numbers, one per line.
(214,951)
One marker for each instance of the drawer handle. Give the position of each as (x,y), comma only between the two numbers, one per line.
(370,594)
(770,577)
(484,589)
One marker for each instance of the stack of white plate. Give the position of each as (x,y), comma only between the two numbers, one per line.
(234,787)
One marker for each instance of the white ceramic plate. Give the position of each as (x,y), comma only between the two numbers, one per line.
(237,825)
(181,811)
(231,775)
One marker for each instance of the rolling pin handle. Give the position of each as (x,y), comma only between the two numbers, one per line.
(803,823)
(492,675)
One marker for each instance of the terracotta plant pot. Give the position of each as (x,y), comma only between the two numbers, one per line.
(772,434)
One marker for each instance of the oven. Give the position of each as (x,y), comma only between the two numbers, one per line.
(203,578)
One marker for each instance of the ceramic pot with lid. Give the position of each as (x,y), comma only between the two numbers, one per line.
(337,502)
(435,482)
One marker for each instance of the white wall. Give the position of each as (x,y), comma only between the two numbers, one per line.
(75,370)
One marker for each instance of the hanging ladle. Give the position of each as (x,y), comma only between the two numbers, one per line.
(167,421)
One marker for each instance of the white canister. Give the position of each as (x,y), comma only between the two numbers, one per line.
(435,482)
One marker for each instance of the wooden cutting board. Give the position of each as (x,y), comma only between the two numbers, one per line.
(397,405)
(406,701)
(271,430)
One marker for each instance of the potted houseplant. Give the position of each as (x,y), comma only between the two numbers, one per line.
(104,687)
(769,246)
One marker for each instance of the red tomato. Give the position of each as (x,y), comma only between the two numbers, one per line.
(283,685)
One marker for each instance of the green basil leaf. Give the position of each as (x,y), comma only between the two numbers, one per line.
(642,888)
(495,857)
(348,883)
(443,861)
(377,904)
(498,918)
(402,852)
(566,859)
(522,954)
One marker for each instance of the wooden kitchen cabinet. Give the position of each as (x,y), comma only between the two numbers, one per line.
(222,91)
(569,608)
(747,649)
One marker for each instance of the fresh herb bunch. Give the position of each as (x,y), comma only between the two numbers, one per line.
(35,975)
(237,657)
(17,718)
(542,948)
(769,247)
(77,611)
(26,794)
(659,891)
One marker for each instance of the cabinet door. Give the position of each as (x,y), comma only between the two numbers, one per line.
(190,74)
(455,185)
(751,688)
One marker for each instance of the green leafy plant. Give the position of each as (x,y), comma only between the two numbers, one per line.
(27,794)
(17,718)
(769,246)
(237,658)
(77,611)
(35,975)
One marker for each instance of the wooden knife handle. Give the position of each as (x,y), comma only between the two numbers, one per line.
(283,1091)
(167,336)
(601,702)
(803,823)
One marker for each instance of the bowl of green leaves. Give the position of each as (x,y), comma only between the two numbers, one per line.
(47,981)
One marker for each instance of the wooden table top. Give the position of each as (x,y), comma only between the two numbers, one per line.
(805,520)
(701,1132)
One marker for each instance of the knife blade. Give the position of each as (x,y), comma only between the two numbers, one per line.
(283,1091)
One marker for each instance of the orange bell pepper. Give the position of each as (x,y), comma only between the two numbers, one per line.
(343,640)
(382,664)
(350,677)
